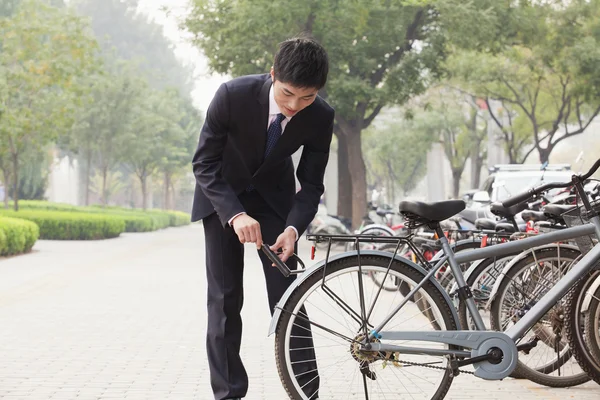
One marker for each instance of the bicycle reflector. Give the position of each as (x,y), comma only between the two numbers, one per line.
(312,252)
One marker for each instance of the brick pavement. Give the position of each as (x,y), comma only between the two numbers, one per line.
(125,319)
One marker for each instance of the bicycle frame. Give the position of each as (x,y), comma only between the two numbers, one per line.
(529,319)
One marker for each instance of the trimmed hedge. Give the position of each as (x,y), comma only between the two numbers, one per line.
(136,220)
(65,225)
(17,236)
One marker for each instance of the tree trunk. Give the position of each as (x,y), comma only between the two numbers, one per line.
(476,164)
(144,192)
(344,179)
(476,178)
(104,193)
(166,205)
(6,176)
(456,174)
(15,171)
(544,154)
(358,175)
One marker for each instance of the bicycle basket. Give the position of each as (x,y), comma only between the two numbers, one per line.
(578,216)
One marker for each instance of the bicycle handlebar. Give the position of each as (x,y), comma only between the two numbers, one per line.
(522,197)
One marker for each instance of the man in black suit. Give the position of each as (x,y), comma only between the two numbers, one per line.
(246,193)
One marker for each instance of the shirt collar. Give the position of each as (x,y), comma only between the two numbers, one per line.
(273,107)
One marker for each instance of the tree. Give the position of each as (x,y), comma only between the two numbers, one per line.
(396,156)
(154,134)
(133,37)
(381,53)
(33,174)
(454,119)
(545,89)
(178,150)
(45,53)
(7,7)
(112,119)
(84,138)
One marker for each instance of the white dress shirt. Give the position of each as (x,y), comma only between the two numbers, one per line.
(273,111)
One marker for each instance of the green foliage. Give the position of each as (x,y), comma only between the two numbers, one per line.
(33,174)
(129,123)
(134,37)
(64,225)
(396,154)
(155,135)
(545,88)
(8,7)
(17,236)
(371,44)
(381,52)
(45,53)
(136,220)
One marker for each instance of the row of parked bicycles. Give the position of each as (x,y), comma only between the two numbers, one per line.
(402,312)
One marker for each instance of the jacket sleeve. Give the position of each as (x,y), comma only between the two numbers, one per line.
(310,173)
(208,159)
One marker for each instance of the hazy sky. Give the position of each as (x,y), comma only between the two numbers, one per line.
(205,84)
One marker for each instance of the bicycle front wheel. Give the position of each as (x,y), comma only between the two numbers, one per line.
(318,336)
(583,326)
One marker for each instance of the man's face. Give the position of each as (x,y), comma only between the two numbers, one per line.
(290,99)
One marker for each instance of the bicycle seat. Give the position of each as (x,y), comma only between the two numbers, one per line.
(535,216)
(556,210)
(485,224)
(382,212)
(505,227)
(498,209)
(431,212)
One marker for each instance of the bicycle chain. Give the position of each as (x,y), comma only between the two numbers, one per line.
(432,366)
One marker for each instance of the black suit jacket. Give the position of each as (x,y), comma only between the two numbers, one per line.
(231,149)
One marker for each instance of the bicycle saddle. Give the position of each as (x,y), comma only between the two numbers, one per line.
(556,210)
(498,209)
(485,224)
(431,212)
(535,216)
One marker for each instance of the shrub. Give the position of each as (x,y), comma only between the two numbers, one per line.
(136,220)
(66,225)
(17,235)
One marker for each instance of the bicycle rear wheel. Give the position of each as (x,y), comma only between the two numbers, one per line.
(314,318)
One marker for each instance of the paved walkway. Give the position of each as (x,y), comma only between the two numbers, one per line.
(125,319)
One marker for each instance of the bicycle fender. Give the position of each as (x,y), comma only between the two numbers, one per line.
(516,259)
(317,268)
(377,226)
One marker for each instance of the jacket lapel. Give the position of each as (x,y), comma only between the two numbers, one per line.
(261,129)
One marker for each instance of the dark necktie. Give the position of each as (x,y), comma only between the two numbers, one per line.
(273,135)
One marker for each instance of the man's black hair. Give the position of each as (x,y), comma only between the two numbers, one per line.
(301,62)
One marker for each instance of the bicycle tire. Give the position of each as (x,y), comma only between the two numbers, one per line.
(539,377)
(592,325)
(350,262)
(575,334)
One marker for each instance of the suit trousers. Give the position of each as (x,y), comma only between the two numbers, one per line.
(225,297)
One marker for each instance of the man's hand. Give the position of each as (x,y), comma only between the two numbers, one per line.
(247,229)
(286,242)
